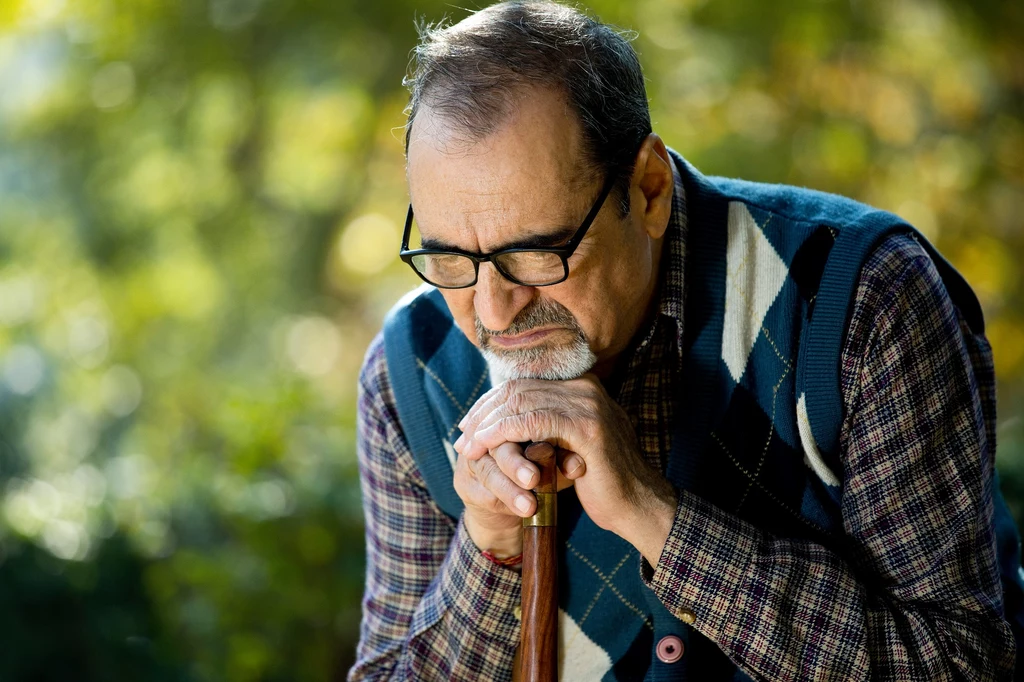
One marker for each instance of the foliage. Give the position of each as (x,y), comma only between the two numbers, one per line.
(199,214)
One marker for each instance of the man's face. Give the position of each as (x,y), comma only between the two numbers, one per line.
(526,185)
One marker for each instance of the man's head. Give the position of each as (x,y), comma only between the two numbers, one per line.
(519,117)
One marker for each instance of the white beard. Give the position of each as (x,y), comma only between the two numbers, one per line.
(554,364)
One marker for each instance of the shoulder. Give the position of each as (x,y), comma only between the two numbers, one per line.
(376,397)
(897,258)
(900,307)
(379,426)
(412,321)
(898,275)
(373,377)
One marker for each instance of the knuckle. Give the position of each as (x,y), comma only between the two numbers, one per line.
(590,404)
(499,414)
(588,428)
(500,455)
(507,454)
(505,390)
(496,480)
(483,468)
(534,421)
(476,468)
(513,403)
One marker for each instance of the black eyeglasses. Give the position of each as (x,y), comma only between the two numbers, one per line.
(532,267)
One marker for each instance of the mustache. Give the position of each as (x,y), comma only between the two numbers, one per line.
(536,314)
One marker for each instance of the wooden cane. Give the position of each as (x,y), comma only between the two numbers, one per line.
(539,642)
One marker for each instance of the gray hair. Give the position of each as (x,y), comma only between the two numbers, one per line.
(469,75)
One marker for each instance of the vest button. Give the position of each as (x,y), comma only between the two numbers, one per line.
(687,616)
(670,649)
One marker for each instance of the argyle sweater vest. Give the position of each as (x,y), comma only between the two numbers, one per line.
(758,257)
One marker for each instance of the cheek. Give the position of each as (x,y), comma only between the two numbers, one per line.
(610,296)
(460,303)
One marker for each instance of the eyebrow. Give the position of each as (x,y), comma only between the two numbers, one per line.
(537,241)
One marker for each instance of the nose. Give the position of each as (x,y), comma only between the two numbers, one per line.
(497,300)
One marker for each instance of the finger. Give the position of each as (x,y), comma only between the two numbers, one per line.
(474,412)
(513,397)
(500,411)
(518,501)
(472,492)
(463,446)
(521,402)
(542,425)
(523,398)
(509,458)
(500,395)
(485,415)
(571,465)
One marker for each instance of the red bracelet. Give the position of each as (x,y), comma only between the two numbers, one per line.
(507,562)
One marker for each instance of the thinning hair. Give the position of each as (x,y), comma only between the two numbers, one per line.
(470,74)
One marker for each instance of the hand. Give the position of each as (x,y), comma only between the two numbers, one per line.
(495,502)
(597,446)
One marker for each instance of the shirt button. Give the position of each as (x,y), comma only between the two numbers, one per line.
(517,611)
(687,616)
(670,649)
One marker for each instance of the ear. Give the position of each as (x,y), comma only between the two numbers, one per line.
(653,184)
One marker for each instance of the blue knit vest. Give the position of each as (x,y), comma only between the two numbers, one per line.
(761,368)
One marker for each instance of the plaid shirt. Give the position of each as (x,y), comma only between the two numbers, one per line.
(919,600)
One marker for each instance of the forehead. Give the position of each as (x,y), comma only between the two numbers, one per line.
(525,177)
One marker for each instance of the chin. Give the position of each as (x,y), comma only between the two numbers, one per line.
(553,364)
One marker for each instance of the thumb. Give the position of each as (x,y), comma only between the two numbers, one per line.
(571,465)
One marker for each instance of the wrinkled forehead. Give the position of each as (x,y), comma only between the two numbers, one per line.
(526,175)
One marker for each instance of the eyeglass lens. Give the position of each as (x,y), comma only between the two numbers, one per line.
(536,268)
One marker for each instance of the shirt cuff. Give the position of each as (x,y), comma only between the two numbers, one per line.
(483,596)
(705,560)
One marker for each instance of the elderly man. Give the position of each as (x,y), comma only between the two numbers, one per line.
(773,408)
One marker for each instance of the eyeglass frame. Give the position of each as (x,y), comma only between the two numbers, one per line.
(564,252)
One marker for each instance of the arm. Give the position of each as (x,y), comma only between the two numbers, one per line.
(434,607)
(919,595)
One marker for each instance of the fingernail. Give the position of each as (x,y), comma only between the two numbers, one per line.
(523,503)
(573,465)
(460,441)
(463,422)
(525,475)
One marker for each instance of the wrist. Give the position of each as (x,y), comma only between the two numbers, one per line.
(500,543)
(650,524)
(514,563)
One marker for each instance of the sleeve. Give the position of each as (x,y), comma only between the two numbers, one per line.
(434,608)
(918,594)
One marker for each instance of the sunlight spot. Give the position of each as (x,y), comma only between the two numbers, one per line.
(313,345)
(113,86)
(368,244)
(23,369)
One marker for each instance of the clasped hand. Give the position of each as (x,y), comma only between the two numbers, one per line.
(596,451)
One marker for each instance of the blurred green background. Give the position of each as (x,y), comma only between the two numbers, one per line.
(200,210)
